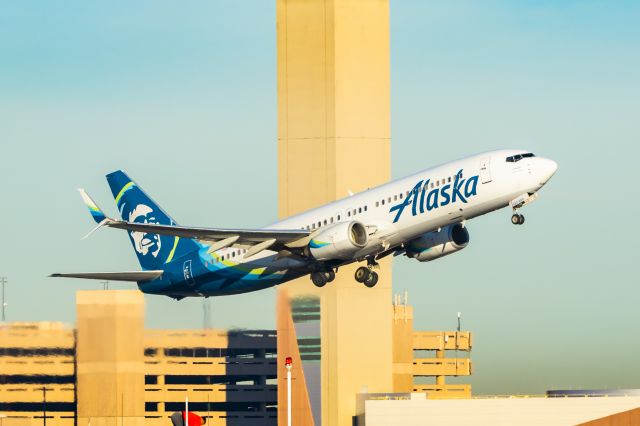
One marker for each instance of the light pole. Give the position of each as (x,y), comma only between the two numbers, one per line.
(3,280)
(287,364)
(186,411)
(44,406)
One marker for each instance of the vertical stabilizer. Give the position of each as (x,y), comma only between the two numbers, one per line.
(134,205)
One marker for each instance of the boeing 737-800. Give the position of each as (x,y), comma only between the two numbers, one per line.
(423,216)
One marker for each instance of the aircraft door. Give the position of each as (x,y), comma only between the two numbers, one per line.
(485,170)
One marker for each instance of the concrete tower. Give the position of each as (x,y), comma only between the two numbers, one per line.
(333,137)
(110,358)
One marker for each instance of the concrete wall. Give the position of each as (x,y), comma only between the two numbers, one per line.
(495,412)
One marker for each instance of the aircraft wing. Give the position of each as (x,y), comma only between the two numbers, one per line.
(217,238)
(113,276)
(245,236)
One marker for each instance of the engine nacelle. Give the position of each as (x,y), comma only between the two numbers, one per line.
(339,241)
(433,245)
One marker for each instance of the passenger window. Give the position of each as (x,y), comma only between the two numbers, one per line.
(407,193)
(389,199)
(365,208)
(449,179)
(377,203)
(395,198)
(338,217)
(401,196)
(319,224)
(432,185)
(332,220)
(359,209)
(349,213)
(325,221)
(383,202)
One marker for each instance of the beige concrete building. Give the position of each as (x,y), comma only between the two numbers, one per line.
(37,373)
(423,359)
(111,371)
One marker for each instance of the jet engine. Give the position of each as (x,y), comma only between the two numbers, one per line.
(433,245)
(340,241)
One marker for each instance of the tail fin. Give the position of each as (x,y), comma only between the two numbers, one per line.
(134,205)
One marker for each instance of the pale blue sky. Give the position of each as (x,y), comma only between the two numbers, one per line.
(182,96)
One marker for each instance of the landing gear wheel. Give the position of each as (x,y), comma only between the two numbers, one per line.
(318,279)
(517,219)
(361,274)
(372,279)
(330,275)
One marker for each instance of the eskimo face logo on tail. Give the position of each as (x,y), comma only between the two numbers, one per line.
(145,243)
(422,200)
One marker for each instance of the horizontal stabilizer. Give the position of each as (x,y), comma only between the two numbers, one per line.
(136,276)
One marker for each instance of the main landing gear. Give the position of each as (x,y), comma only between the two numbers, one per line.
(319,279)
(366,275)
(517,218)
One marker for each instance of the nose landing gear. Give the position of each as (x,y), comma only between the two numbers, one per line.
(517,219)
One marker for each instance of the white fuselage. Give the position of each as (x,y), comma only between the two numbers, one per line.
(498,183)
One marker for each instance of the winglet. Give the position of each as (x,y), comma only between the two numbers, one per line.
(95,211)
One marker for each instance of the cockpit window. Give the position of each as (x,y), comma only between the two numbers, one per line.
(518,157)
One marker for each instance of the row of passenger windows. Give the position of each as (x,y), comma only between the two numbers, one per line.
(338,217)
(388,200)
(516,158)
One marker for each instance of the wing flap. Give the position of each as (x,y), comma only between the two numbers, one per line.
(136,276)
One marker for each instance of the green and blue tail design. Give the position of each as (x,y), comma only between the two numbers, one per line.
(95,211)
(134,205)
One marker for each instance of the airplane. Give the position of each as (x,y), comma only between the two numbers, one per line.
(423,216)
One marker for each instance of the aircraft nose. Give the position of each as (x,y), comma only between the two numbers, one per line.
(547,168)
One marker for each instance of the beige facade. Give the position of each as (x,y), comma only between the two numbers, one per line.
(411,366)
(334,137)
(37,373)
(112,371)
(110,363)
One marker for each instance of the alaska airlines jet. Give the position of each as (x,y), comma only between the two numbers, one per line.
(422,216)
